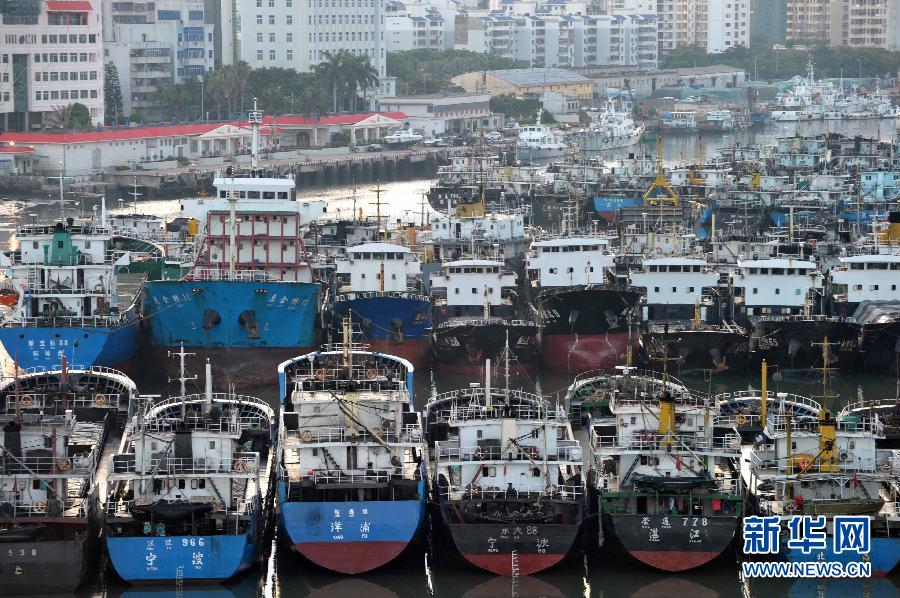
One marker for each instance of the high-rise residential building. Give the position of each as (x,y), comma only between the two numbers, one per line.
(51,56)
(715,25)
(813,21)
(155,43)
(298,34)
(870,23)
(549,40)
(418,25)
(768,21)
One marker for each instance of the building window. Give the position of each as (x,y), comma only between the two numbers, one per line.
(259,19)
(290,54)
(272,38)
(289,37)
(259,37)
(290,20)
(271,3)
(259,54)
(271,19)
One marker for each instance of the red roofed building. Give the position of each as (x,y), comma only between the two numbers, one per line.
(92,152)
(49,59)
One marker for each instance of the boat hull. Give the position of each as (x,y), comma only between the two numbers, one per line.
(884,555)
(189,558)
(578,353)
(41,568)
(326,533)
(111,347)
(796,344)
(396,323)
(462,349)
(510,550)
(213,319)
(697,350)
(679,544)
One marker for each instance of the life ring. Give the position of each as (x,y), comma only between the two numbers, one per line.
(791,507)
(240,466)
(64,464)
(39,506)
(844,456)
(98,288)
(741,419)
(735,445)
(306,436)
(886,466)
(479,454)
(26,401)
(100,400)
(377,432)
(371,374)
(321,374)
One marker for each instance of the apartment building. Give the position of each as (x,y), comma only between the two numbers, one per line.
(156,43)
(50,56)
(715,25)
(870,23)
(813,21)
(297,34)
(565,40)
(415,26)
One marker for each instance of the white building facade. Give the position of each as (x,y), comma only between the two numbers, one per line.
(298,34)
(156,43)
(50,57)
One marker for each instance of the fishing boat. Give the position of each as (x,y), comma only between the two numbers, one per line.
(55,423)
(70,302)
(352,460)
(382,294)
(539,143)
(613,129)
(506,477)
(585,317)
(473,326)
(190,489)
(662,477)
(828,466)
(249,298)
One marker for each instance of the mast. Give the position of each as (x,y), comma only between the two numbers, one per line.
(183,377)
(134,195)
(255,118)
(377,203)
(62,201)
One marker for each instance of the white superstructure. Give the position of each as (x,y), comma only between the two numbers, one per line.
(777,286)
(674,286)
(567,262)
(382,267)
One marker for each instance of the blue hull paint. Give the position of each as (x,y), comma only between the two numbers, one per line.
(376,316)
(192,558)
(884,556)
(31,346)
(608,207)
(388,521)
(285,312)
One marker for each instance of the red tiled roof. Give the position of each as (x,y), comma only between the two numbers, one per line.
(186,130)
(16,149)
(69,5)
(338,119)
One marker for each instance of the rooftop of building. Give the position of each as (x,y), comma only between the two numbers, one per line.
(540,76)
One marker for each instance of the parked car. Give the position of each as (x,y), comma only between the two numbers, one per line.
(564,127)
(355,149)
(375,147)
(493,136)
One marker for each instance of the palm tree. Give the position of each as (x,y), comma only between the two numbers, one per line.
(59,118)
(360,75)
(331,72)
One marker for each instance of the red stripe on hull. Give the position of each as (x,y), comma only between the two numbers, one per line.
(515,369)
(674,560)
(502,564)
(579,353)
(350,557)
(416,351)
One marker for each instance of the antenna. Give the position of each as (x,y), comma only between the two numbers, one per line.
(255,118)
(134,195)
(377,203)
(183,377)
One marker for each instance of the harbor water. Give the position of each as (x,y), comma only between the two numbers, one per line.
(421,573)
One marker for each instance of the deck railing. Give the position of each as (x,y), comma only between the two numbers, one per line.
(239,465)
(680,443)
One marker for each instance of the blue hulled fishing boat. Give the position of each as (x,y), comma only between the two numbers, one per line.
(351,483)
(189,492)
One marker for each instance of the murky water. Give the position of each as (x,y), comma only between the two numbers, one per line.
(420,574)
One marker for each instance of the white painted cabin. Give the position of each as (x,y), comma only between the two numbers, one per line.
(569,262)
(674,286)
(777,286)
(366,264)
(867,278)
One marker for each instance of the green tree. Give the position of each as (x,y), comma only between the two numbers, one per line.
(360,77)
(112,93)
(520,109)
(430,71)
(331,73)
(79,116)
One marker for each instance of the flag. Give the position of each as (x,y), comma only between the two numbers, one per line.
(678,462)
(855,480)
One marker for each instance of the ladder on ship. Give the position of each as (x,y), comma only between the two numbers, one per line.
(238,490)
